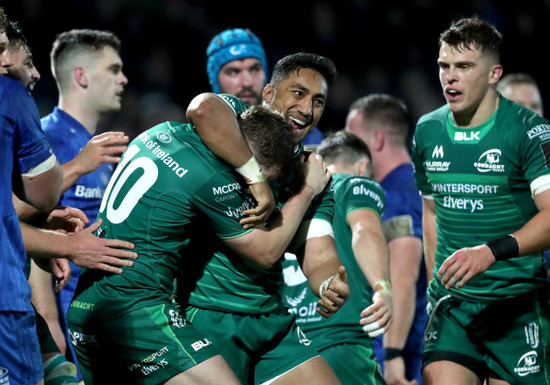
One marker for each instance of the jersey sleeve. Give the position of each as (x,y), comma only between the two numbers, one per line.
(223,200)
(363,194)
(31,144)
(237,105)
(418,164)
(535,150)
(322,206)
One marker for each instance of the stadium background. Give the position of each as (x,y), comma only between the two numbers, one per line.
(378,46)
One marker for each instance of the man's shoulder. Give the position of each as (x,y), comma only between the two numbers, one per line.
(14,97)
(436,117)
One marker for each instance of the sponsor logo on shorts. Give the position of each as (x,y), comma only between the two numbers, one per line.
(302,337)
(198,345)
(527,364)
(4,377)
(177,319)
(532,335)
(489,161)
(81,338)
(431,336)
(148,369)
(146,366)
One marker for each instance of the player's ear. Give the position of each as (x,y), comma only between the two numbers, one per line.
(81,77)
(268,93)
(495,74)
(362,167)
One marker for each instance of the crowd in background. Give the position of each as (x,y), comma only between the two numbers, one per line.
(376,46)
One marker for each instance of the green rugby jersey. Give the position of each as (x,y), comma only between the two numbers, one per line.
(480,179)
(232,284)
(167,187)
(352,193)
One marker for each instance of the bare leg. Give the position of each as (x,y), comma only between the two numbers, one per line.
(312,372)
(213,371)
(448,373)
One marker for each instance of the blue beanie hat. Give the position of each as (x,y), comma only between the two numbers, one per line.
(229,45)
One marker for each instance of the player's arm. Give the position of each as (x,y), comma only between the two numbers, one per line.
(371,253)
(531,238)
(405,259)
(321,265)
(217,125)
(267,243)
(429,232)
(40,185)
(83,248)
(103,148)
(43,299)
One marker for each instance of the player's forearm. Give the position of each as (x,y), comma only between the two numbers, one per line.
(41,243)
(370,250)
(71,173)
(265,245)
(405,262)
(404,307)
(429,236)
(218,128)
(320,261)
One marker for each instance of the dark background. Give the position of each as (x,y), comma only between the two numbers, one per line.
(378,46)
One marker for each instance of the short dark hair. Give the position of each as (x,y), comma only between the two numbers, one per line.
(388,110)
(473,33)
(15,35)
(343,146)
(270,136)
(77,40)
(291,63)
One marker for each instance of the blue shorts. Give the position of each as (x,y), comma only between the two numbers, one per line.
(20,358)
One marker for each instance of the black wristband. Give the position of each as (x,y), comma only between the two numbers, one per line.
(504,248)
(391,353)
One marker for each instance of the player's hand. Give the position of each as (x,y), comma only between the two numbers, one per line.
(66,220)
(335,295)
(102,148)
(377,318)
(316,173)
(265,205)
(394,372)
(463,264)
(97,253)
(61,271)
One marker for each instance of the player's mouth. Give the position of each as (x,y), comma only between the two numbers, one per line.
(452,95)
(298,125)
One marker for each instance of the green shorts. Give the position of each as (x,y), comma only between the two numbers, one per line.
(147,346)
(507,339)
(258,347)
(354,364)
